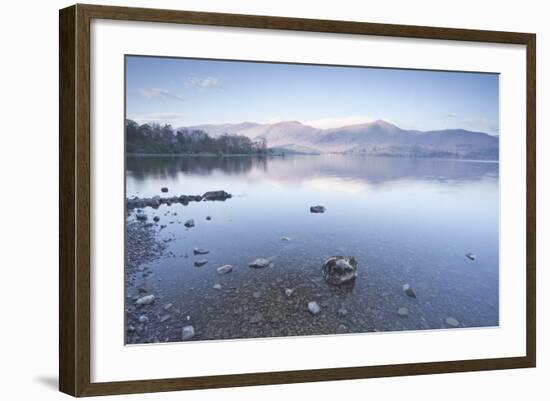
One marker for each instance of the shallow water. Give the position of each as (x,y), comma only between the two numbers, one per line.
(404,220)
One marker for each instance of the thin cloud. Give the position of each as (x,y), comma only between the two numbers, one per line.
(160,93)
(203,83)
(156,118)
(337,122)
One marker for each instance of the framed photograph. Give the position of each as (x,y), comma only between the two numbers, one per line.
(250,200)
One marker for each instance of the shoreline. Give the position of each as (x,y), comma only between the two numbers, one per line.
(303,154)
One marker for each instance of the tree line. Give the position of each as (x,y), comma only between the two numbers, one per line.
(161,139)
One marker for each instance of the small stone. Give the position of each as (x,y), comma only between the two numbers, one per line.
(131,329)
(224,269)
(289,292)
(141,216)
(407,289)
(341,329)
(317,209)
(143,319)
(146,300)
(217,286)
(164,189)
(471,256)
(156,219)
(187,333)
(451,321)
(403,311)
(256,294)
(200,251)
(342,312)
(164,318)
(208,218)
(168,306)
(313,307)
(189,223)
(285,239)
(256,318)
(200,263)
(259,263)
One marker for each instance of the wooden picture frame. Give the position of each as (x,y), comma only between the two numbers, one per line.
(74,199)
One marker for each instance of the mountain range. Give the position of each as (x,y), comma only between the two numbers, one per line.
(374,138)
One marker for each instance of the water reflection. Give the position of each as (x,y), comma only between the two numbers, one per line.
(405,220)
(371,170)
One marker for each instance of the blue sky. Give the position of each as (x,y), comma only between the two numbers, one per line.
(186,92)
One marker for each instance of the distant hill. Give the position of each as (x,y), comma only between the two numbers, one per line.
(375,138)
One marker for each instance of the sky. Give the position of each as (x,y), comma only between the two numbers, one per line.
(186,92)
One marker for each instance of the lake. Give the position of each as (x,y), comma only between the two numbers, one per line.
(405,220)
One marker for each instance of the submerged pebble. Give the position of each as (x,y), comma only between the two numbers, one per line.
(187,332)
(407,289)
(200,251)
(200,263)
(313,307)
(146,300)
(403,311)
(259,263)
(451,321)
(224,269)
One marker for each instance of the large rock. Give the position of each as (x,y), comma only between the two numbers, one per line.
(216,195)
(339,269)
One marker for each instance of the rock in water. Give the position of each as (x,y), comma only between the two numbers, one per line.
(407,289)
(189,223)
(403,312)
(200,263)
(339,269)
(143,319)
(313,307)
(285,239)
(217,286)
(208,218)
(164,189)
(259,263)
(471,256)
(216,195)
(187,333)
(224,269)
(200,251)
(289,292)
(317,209)
(156,219)
(146,300)
(451,321)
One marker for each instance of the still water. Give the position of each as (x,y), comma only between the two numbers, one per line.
(404,220)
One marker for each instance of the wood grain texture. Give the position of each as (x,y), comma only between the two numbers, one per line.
(74,199)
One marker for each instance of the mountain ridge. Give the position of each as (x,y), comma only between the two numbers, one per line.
(378,137)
